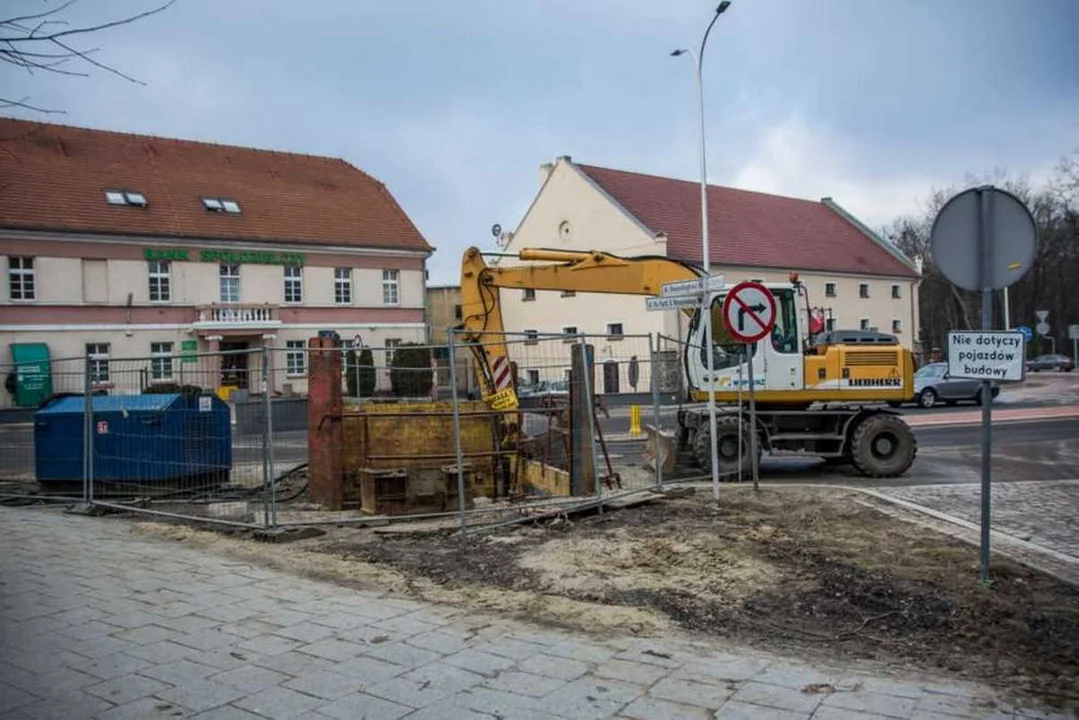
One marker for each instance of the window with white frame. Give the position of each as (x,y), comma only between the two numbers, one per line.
(97,355)
(161,361)
(21,278)
(531,337)
(569,332)
(829,289)
(391,287)
(614,331)
(895,292)
(295,358)
(897,325)
(160,280)
(533,377)
(829,324)
(230,283)
(528,294)
(342,286)
(863,324)
(863,290)
(293,284)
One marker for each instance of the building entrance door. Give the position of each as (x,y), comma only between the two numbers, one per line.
(234,364)
(610,377)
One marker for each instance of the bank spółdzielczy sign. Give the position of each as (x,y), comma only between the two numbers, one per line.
(231,257)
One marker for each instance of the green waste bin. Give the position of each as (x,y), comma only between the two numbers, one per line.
(33,373)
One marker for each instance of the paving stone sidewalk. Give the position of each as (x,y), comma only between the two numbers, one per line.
(96,622)
(1041,512)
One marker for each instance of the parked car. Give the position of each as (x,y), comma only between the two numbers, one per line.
(1055,361)
(933,385)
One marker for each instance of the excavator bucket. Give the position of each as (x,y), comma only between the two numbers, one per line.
(660,446)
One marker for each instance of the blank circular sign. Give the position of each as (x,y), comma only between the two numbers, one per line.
(1011,238)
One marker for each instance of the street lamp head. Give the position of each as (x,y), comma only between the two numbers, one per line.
(676,53)
(723,6)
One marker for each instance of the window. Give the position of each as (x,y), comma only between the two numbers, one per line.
(614,331)
(785,331)
(457,312)
(160,277)
(391,287)
(528,294)
(829,324)
(124,197)
(21,278)
(895,291)
(391,343)
(295,358)
(531,337)
(569,293)
(829,289)
(293,284)
(533,377)
(342,286)
(897,326)
(230,283)
(97,355)
(569,331)
(161,361)
(221,205)
(863,324)
(863,290)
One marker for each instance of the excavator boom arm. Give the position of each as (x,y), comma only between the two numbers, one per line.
(565,270)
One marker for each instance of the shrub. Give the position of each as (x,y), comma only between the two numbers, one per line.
(362,371)
(410,370)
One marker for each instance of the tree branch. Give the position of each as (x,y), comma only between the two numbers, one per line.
(7,102)
(84,30)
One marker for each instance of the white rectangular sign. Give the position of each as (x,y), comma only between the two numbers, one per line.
(1073,332)
(986,355)
(681,287)
(690,287)
(671,303)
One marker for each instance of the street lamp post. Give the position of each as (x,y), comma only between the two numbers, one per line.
(705,252)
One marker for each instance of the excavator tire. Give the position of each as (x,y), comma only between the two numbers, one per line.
(727,428)
(883,445)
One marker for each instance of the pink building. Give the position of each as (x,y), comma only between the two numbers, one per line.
(131,246)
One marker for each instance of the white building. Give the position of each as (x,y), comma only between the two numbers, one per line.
(854,278)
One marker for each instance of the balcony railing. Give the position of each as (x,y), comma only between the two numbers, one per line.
(257,315)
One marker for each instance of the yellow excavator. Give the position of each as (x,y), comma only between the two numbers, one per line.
(831,401)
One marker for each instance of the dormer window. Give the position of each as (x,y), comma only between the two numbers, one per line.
(225,205)
(125,197)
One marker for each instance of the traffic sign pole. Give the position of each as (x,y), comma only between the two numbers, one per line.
(985,232)
(752,422)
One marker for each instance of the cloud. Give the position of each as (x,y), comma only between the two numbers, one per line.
(793,159)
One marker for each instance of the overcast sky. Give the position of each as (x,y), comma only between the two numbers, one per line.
(454,105)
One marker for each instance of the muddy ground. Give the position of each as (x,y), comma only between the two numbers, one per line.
(804,572)
(786,570)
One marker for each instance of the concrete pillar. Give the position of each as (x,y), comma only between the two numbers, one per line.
(268,342)
(325,465)
(212,366)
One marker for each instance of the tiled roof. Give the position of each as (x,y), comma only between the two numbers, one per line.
(54,177)
(747,228)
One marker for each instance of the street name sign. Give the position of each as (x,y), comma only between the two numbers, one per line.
(691,287)
(981,355)
(653,304)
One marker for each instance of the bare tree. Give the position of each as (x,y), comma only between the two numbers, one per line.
(1046,286)
(46,42)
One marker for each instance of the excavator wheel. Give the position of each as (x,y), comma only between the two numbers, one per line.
(883,445)
(727,429)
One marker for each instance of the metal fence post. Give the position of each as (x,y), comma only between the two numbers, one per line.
(267,442)
(457,430)
(87,433)
(590,414)
(655,408)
